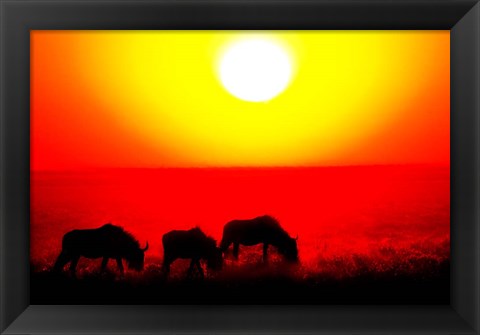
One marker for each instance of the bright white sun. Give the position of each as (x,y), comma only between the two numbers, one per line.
(255,70)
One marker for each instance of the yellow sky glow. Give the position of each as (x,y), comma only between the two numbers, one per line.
(162,92)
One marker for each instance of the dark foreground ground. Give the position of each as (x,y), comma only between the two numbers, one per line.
(275,286)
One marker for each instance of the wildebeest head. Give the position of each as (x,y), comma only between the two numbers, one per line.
(213,254)
(136,257)
(215,259)
(289,249)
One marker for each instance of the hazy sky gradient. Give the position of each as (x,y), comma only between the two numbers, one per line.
(154,99)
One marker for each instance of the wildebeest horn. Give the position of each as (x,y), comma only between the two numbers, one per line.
(146,247)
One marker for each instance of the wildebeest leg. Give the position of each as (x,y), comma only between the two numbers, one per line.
(62,259)
(104,264)
(265,252)
(191,268)
(73,265)
(236,246)
(199,267)
(120,265)
(166,266)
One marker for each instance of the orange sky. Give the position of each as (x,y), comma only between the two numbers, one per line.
(154,99)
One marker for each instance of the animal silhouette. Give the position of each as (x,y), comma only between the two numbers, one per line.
(191,244)
(263,229)
(108,241)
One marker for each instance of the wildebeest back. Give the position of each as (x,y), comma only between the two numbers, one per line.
(184,243)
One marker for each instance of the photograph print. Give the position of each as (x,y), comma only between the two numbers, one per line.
(239,167)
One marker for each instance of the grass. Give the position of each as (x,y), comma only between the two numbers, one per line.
(413,274)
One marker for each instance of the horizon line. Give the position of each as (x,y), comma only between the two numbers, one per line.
(94,169)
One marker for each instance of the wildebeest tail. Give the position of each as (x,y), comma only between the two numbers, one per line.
(225,242)
(223,245)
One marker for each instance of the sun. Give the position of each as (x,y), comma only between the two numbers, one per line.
(255,70)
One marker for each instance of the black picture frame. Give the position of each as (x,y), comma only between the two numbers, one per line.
(461,17)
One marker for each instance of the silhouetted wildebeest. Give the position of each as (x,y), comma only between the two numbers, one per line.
(108,241)
(263,229)
(191,244)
